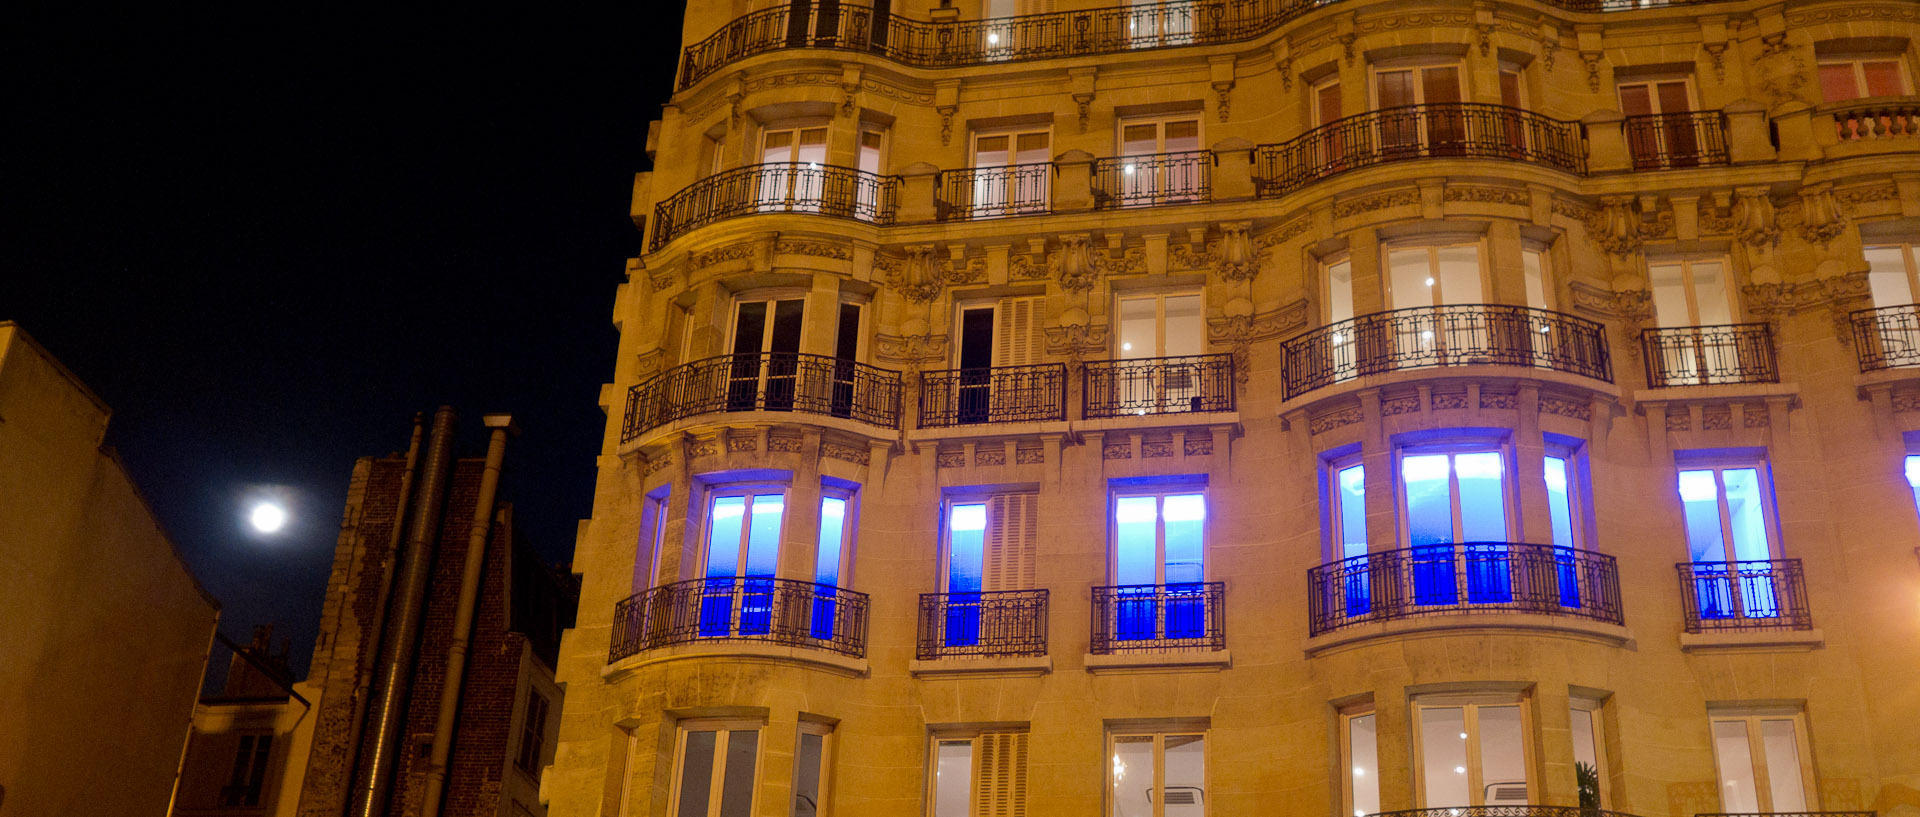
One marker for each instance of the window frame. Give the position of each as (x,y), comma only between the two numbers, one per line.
(1686,264)
(748,490)
(723,729)
(1470,704)
(1336,543)
(1574,458)
(972,738)
(1909,257)
(1543,253)
(1159,298)
(1769,503)
(1327,265)
(1417,66)
(1652,84)
(1595,710)
(1013,134)
(1858,63)
(771,297)
(849,525)
(1437,289)
(532,735)
(1159,736)
(1159,123)
(1756,753)
(1508,484)
(1345,718)
(1160,493)
(824,786)
(798,127)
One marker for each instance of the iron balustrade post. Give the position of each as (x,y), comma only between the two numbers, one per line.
(1887,337)
(1744,595)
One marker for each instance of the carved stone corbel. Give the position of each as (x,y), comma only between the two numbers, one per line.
(1717,53)
(919,278)
(911,352)
(1346,45)
(1616,226)
(1592,59)
(1821,219)
(1076,341)
(946,122)
(1234,258)
(1753,221)
(1074,265)
(1225,90)
(1485,31)
(1085,103)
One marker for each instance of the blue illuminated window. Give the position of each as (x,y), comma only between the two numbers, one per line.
(829,560)
(989,549)
(1159,562)
(1913,476)
(1728,514)
(1455,505)
(743,549)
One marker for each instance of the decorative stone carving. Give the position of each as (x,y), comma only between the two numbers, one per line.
(1499,401)
(654,464)
(1753,217)
(1851,198)
(1117,451)
(1592,59)
(911,351)
(1029,456)
(1074,265)
(1485,39)
(1239,332)
(845,453)
(1199,446)
(783,445)
(1678,422)
(817,249)
(1155,450)
(920,279)
(1225,92)
(1486,195)
(1024,268)
(1399,405)
(894,92)
(1821,219)
(990,456)
(1346,46)
(1234,257)
(1616,227)
(1377,201)
(1562,407)
(946,123)
(703,448)
(731,252)
(1447,401)
(1333,419)
(1075,341)
(1716,418)
(950,459)
(737,445)
(1717,53)
(1756,417)
(1085,103)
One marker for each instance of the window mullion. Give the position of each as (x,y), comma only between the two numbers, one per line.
(1476,786)
(1453,501)
(717,773)
(1160,540)
(1159,785)
(1757,752)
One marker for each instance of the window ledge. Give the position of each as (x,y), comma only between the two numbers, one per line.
(744,651)
(1753,641)
(1179,419)
(1006,429)
(1160,661)
(1014,666)
(1896,376)
(1716,392)
(1472,623)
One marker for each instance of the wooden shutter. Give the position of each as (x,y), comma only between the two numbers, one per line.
(1000,775)
(1012,530)
(1016,322)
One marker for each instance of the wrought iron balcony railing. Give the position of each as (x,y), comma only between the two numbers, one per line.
(776,187)
(1749,595)
(787,612)
(1159,385)
(986,624)
(1887,337)
(1663,141)
(1452,129)
(999,394)
(1505,811)
(1116,29)
(770,381)
(1709,355)
(1443,336)
(1153,180)
(1876,120)
(1189,616)
(1426,580)
(991,192)
(1789,814)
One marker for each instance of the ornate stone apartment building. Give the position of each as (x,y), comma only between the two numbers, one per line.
(1241,407)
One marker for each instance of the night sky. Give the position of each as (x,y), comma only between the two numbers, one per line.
(268,239)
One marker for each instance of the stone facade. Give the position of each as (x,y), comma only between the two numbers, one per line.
(1569,220)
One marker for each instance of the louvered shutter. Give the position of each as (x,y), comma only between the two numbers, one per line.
(1000,775)
(1012,531)
(1016,322)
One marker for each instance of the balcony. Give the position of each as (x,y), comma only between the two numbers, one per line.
(1665,141)
(773,381)
(1153,180)
(1709,355)
(1457,335)
(1747,595)
(1455,130)
(1887,337)
(1790,814)
(1866,121)
(993,192)
(1161,385)
(1520,810)
(829,24)
(783,612)
(998,394)
(1450,579)
(777,187)
(1159,618)
(993,624)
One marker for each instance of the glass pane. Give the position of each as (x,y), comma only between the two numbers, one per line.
(1747,514)
(813,146)
(1136,140)
(1559,504)
(723,536)
(1710,294)
(1883,79)
(1669,295)
(1783,765)
(1533,266)
(1503,760)
(1396,88)
(750,328)
(990,151)
(1483,497)
(1134,557)
(1030,148)
(1836,82)
(1887,276)
(806,783)
(1352,499)
(1327,100)
(1364,746)
(696,774)
(1185,326)
(1132,776)
(1700,497)
(1429,499)
(736,787)
(1460,275)
(778,146)
(1185,517)
(1440,84)
(1443,755)
(763,535)
(966,535)
(1186,785)
(1339,291)
(1737,794)
(1410,277)
(953,779)
(1586,757)
(1183,135)
(826,560)
(1138,328)
(1913,477)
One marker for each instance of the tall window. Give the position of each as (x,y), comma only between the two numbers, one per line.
(794,181)
(714,770)
(1162,162)
(1437,127)
(1563,500)
(1001,333)
(248,780)
(533,736)
(1764,763)
(1457,496)
(1158,774)
(1347,491)
(1659,131)
(1848,78)
(1011,174)
(831,555)
(743,551)
(990,548)
(1589,753)
(1435,275)
(1729,523)
(1161,325)
(1159,549)
(1913,476)
(1339,289)
(766,346)
(1331,146)
(653,540)
(1893,274)
(870,159)
(983,774)
(1360,747)
(1472,751)
(810,764)
(1693,293)
(1533,269)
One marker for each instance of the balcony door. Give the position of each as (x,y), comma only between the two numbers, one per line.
(1003,36)
(1159,564)
(1456,501)
(766,346)
(795,179)
(743,551)
(1156,23)
(871,161)
(1161,162)
(1408,129)
(1692,293)
(1665,135)
(1472,751)
(993,336)
(990,549)
(1010,173)
(1728,523)
(1434,276)
(1153,327)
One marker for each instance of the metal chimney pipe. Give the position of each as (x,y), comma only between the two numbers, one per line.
(403,632)
(470,575)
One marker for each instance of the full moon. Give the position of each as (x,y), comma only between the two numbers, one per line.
(268,517)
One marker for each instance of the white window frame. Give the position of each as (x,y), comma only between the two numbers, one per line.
(1336,505)
(747,490)
(972,738)
(1159,298)
(655,510)
(1575,459)
(722,729)
(1543,254)
(1471,704)
(1159,778)
(1160,494)
(1910,258)
(1756,752)
(1327,266)
(1653,93)
(1351,773)
(770,297)
(1858,64)
(1686,264)
(1769,510)
(988,205)
(1595,711)
(848,525)
(1508,484)
(824,785)
(1436,296)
